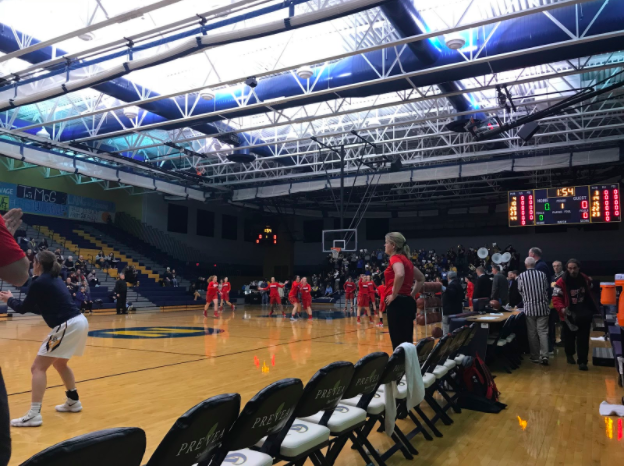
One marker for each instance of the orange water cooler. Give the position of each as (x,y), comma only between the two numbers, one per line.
(618,286)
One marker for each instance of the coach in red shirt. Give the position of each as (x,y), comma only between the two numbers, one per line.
(401,288)
(13,269)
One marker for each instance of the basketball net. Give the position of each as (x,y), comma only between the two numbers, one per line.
(335,251)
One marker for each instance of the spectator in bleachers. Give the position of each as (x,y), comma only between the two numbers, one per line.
(69,264)
(328,292)
(43,244)
(59,257)
(264,298)
(166,278)
(81,263)
(30,255)
(70,286)
(83,300)
(100,259)
(112,260)
(80,277)
(174,279)
(120,291)
(93,279)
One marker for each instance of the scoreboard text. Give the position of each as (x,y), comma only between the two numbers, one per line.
(569,205)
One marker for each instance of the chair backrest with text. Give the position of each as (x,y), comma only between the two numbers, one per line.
(198,432)
(115,446)
(367,373)
(266,413)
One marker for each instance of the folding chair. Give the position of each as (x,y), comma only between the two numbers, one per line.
(347,420)
(499,349)
(433,372)
(299,439)
(265,414)
(115,446)
(196,434)
(376,410)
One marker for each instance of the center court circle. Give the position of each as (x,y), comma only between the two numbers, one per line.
(154,332)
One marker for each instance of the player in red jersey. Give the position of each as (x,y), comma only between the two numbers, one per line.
(349,288)
(306,297)
(363,298)
(225,294)
(212,292)
(274,295)
(381,288)
(294,299)
(372,292)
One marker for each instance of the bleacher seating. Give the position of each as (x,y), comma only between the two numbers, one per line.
(77,240)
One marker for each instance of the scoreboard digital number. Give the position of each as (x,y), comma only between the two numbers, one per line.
(586,204)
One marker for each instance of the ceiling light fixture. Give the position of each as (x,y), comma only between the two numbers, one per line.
(305,72)
(131,112)
(207,94)
(455,41)
(87,36)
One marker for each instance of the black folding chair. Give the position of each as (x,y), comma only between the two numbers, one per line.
(499,348)
(300,440)
(265,414)
(376,410)
(115,446)
(347,420)
(197,433)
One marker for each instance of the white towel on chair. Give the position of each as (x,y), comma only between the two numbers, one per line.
(415,390)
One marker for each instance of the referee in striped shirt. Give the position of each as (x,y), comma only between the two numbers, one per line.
(534,289)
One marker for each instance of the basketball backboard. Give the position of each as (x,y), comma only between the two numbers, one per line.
(345,239)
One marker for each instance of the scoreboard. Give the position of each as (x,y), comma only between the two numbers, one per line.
(586,204)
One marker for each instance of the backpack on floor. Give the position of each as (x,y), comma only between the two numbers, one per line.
(480,391)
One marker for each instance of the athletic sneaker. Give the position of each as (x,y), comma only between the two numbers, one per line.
(215,315)
(205,314)
(70,405)
(233,307)
(358,320)
(283,315)
(310,318)
(570,360)
(293,318)
(30,419)
(371,320)
(270,312)
(545,361)
(380,325)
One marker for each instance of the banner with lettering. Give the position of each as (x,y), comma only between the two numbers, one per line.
(54,203)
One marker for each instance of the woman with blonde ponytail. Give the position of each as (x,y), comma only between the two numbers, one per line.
(400,289)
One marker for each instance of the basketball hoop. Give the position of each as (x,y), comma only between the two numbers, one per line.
(335,252)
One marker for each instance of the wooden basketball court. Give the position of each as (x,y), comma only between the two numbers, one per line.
(147,369)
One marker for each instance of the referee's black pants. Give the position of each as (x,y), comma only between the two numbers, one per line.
(400,315)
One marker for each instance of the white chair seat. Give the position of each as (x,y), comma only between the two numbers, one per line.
(459,359)
(247,457)
(449,364)
(402,389)
(428,380)
(343,418)
(302,437)
(375,407)
(440,371)
(500,342)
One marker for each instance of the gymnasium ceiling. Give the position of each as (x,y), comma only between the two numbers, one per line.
(377,88)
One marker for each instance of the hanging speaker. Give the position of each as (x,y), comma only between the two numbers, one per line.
(527,131)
